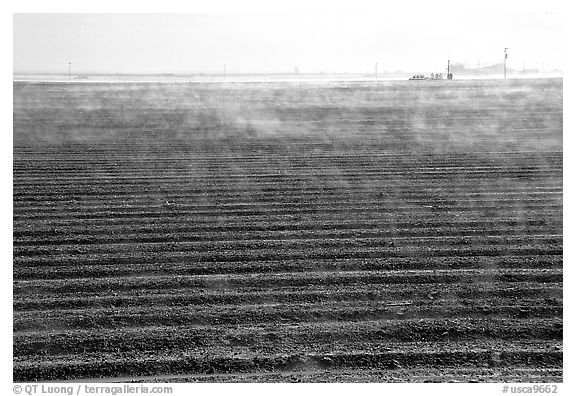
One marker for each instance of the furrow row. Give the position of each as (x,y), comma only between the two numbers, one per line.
(186,266)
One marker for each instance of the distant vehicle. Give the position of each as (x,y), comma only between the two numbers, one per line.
(433,76)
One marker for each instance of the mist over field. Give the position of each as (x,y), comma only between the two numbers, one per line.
(463,115)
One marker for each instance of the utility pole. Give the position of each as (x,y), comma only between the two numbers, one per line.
(505,57)
(69,70)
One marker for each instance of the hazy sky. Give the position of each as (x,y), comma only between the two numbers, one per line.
(155,43)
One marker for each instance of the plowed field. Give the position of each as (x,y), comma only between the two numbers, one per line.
(393,231)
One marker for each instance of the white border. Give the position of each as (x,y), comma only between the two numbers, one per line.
(291,7)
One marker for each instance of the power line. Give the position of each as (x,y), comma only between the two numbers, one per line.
(505,57)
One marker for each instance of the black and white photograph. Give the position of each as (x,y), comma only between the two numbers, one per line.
(287,197)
